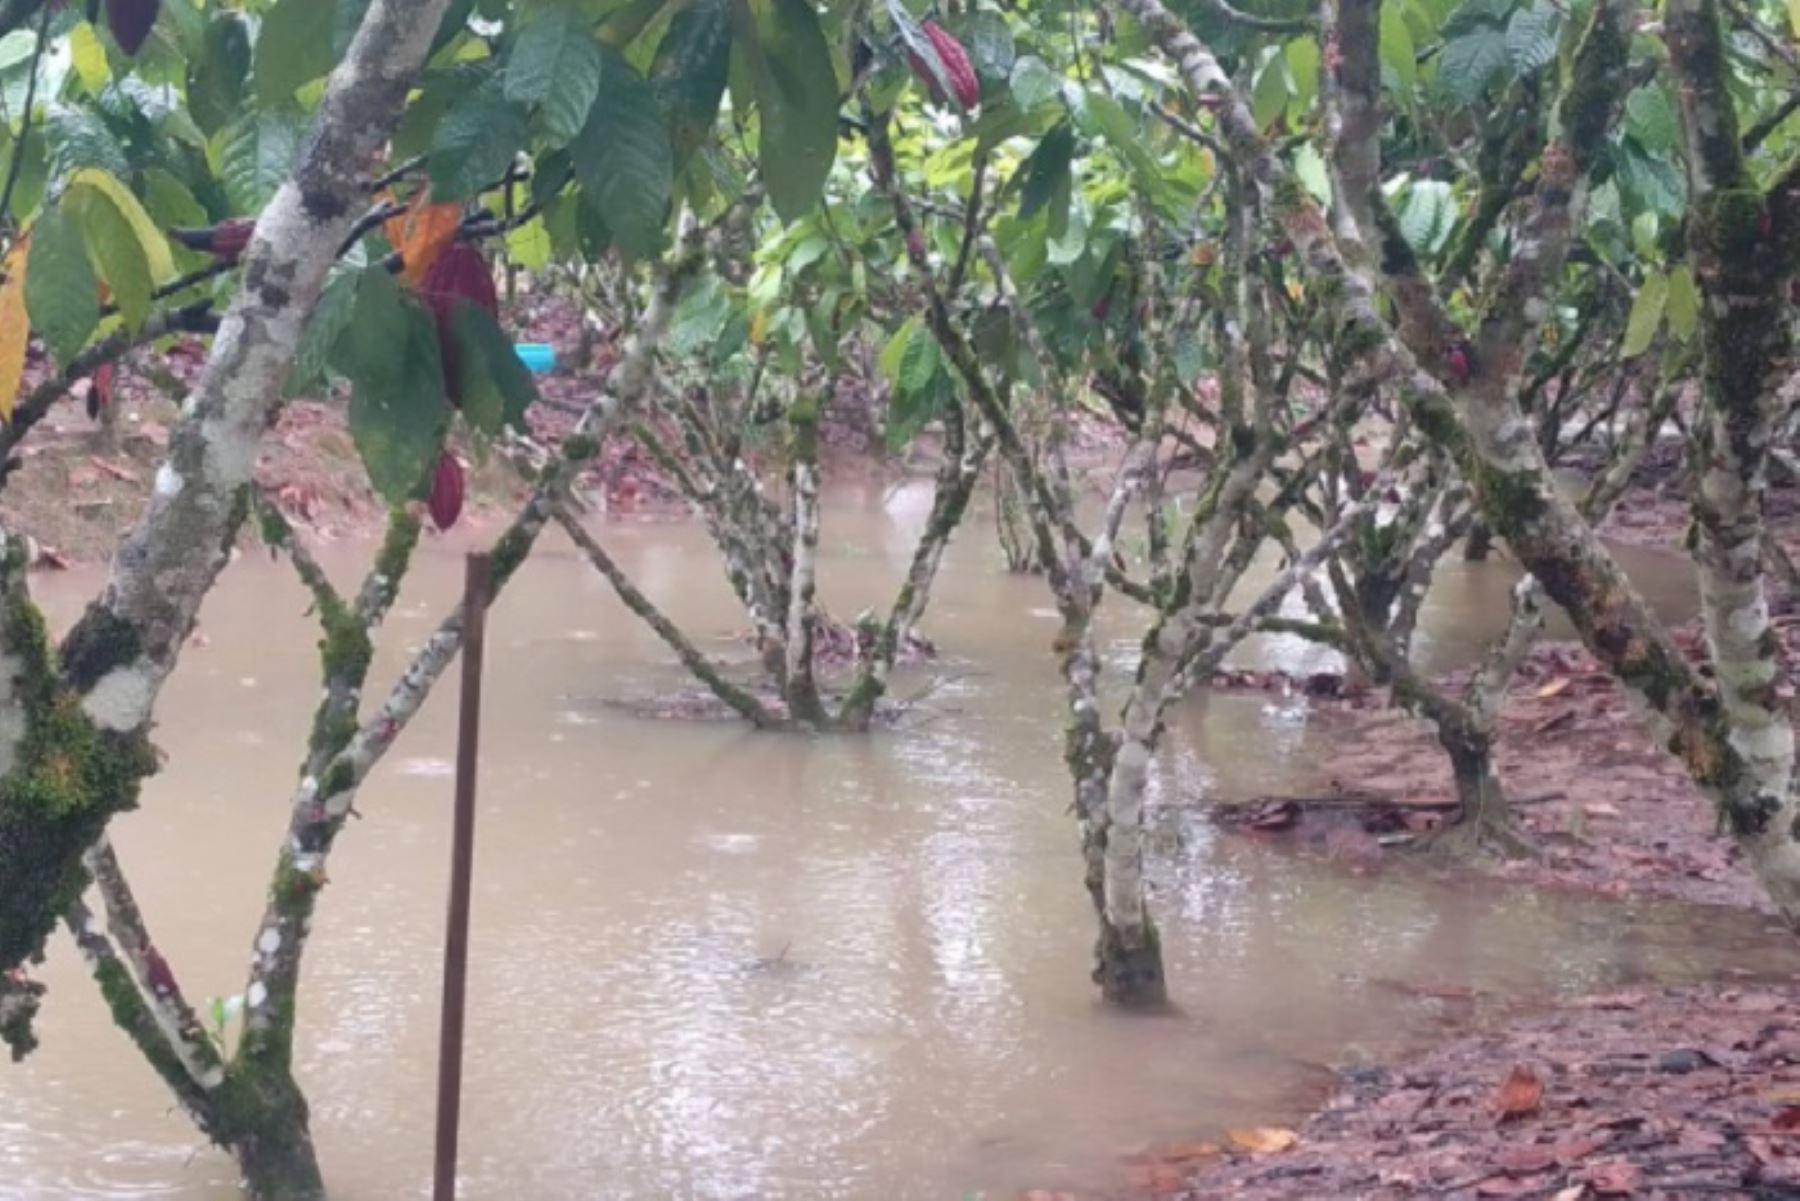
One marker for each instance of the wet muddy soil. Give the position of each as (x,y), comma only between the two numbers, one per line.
(1662,1095)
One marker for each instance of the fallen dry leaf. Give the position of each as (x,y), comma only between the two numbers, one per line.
(1787,1120)
(1185,1152)
(1520,1094)
(1264,1140)
(1574,1192)
(1615,1178)
(1527,1158)
(1555,687)
(1600,809)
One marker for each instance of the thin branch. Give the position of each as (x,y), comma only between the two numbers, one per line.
(739,699)
(18,154)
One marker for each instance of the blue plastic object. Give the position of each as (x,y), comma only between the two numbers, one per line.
(538,356)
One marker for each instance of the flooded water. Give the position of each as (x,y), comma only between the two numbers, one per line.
(709,963)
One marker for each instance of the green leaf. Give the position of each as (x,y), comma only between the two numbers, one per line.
(79,138)
(494,385)
(1683,304)
(1034,83)
(88,56)
(894,353)
(256,155)
(216,78)
(347,19)
(1531,37)
(1650,118)
(113,250)
(1426,214)
(389,352)
(1398,55)
(1646,315)
(555,63)
(149,238)
(796,90)
(61,294)
(293,47)
(990,46)
(1470,62)
(1121,134)
(528,245)
(623,158)
(1047,166)
(1303,60)
(699,320)
(691,68)
(1269,96)
(476,142)
(330,317)
(1309,168)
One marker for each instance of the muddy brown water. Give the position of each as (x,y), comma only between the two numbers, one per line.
(714,964)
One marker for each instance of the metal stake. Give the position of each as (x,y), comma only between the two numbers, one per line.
(476,589)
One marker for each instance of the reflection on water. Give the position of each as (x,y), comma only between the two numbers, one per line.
(714,964)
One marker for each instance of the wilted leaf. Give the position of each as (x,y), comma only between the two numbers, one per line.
(1264,1140)
(1520,1095)
(15,327)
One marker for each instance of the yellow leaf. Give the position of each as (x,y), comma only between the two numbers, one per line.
(155,246)
(15,327)
(88,56)
(759,327)
(1794,16)
(1264,1140)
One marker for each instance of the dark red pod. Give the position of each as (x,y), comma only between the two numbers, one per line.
(956,62)
(446,502)
(923,73)
(459,272)
(100,394)
(131,22)
(226,240)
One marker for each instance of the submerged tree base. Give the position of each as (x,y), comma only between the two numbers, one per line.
(1130,976)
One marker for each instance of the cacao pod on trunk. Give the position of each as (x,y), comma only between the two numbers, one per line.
(130,22)
(446,501)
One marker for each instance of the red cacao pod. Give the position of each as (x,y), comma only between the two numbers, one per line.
(226,240)
(446,501)
(1462,368)
(100,395)
(130,22)
(956,62)
(459,272)
(923,73)
(915,245)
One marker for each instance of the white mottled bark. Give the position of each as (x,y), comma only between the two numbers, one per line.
(171,557)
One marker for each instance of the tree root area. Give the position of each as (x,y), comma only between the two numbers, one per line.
(1675,1094)
(1599,806)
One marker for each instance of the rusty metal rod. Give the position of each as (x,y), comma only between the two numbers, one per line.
(476,590)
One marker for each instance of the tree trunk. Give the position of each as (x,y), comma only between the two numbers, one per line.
(1480,543)
(272,1140)
(1483,824)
